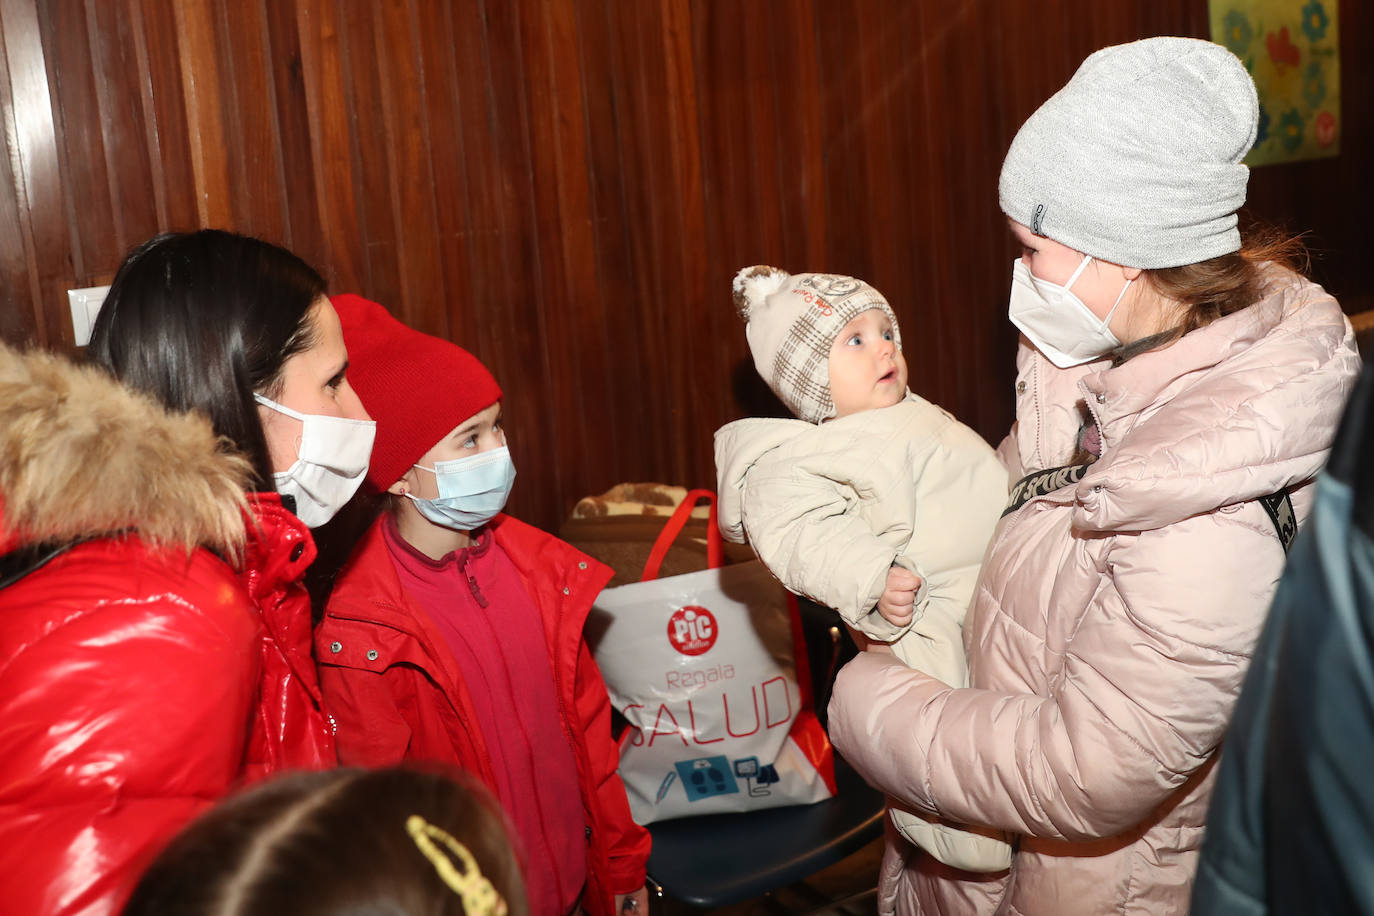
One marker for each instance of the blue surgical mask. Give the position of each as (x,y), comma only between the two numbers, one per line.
(472,490)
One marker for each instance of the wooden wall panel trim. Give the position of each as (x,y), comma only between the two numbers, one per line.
(201,90)
(380,267)
(474,192)
(303,231)
(18,307)
(629,413)
(796,160)
(119,99)
(568,304)
(257,178)
(409,163)
(635,47)
(148,105)
(967,145)
(165,117)
(516,345)
(767,103)
(71,84)
(331,144)
(106,99)
(566,187)
(444,119)
(693,312)
(30,132)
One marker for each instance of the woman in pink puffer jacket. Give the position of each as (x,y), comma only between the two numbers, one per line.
(1178,389)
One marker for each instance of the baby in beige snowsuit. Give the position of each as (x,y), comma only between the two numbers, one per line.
(874,501)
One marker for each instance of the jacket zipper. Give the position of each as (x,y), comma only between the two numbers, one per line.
(1091,402)
(477,595)
(1033,389)
(579,752)
(1039,418)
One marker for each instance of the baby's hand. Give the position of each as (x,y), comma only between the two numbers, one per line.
(898,601)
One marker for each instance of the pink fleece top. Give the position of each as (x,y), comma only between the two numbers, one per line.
(477,601)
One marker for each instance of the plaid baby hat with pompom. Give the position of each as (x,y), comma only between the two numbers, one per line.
(791,323)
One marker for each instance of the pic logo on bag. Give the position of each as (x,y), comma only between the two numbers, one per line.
(692,630)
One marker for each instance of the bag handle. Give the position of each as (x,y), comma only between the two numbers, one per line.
(715,552)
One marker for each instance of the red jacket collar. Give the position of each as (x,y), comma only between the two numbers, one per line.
(368,588)
(279,548)
(481,543)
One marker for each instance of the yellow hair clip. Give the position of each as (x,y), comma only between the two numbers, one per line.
(478,895)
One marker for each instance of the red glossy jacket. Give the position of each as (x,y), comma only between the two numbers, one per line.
(138,684)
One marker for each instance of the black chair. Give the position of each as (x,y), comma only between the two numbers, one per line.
(722,859)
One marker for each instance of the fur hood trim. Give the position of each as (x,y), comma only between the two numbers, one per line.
(81,455)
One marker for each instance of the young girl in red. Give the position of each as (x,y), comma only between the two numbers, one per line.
(454,633)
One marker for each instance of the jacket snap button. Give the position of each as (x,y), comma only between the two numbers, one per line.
(372,655)
(1021,387)
(297,551)
(336,647)
(1101,398)
(582,564)
(566,590)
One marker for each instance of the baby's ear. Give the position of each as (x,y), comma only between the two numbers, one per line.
(754,284)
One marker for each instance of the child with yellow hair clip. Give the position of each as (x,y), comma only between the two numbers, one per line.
(328,843)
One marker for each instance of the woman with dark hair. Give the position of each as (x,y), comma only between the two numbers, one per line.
(1178,388)
(155,633)
(397,841)
(229,325)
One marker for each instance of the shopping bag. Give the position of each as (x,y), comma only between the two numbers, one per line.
(709,670)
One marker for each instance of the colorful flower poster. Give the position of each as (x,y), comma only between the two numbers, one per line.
(1292,50)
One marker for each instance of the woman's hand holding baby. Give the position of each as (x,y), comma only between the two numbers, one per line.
(864,644)
(898,601)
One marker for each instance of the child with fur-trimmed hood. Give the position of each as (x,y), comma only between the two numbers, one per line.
(874,501)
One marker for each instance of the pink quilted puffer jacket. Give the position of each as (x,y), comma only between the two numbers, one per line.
(1113,620)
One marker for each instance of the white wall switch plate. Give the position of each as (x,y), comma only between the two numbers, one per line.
(85,304)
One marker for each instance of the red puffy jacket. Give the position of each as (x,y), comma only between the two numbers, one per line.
(390,679)
(291,730)
(137,683)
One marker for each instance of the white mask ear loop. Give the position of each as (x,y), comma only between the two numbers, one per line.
(1106,322)
(287,412)
(1082,266)
(279,408)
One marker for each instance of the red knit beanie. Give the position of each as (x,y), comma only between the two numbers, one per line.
(418,388)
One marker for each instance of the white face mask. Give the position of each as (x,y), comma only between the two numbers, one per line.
(1057,321)
(331,464)
(472,490)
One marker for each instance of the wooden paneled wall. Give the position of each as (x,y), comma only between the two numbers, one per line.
(566,187)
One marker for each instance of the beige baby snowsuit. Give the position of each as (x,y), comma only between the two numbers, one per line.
(831,507)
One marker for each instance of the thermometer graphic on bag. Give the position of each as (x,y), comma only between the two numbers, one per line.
(664,786)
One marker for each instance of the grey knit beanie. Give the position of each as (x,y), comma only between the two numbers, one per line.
(1137,160)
